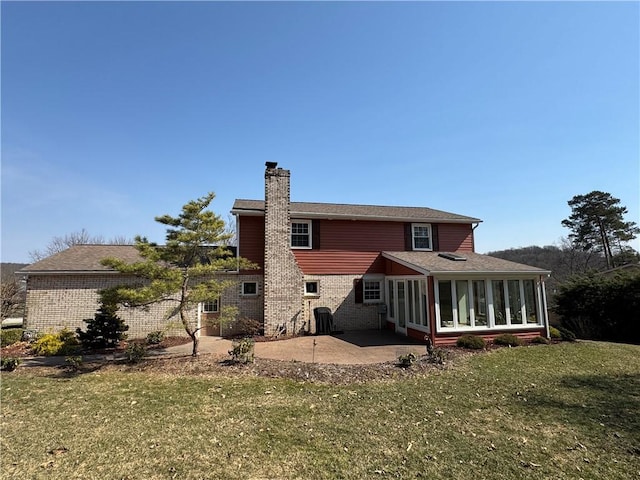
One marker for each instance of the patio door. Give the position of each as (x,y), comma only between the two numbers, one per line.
(407,302)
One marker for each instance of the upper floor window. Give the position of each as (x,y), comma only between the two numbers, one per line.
(421,236)
(301,234)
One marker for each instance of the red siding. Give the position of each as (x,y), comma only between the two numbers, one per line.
(361,235)
(349,246)
(454,237)
(393,268)
(335,262)
(448,339)
(251,240)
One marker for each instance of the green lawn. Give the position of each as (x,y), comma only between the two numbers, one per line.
(564,411)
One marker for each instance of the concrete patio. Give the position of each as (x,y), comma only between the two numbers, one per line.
(354,347)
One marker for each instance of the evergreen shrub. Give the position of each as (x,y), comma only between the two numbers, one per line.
(540,340)
(473,342)
(507,339)
(105,330)
(10,336)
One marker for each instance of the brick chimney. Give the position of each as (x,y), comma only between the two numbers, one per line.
(283,281)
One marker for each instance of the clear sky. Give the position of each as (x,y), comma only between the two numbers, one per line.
(116,112)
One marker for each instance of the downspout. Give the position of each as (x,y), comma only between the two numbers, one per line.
(473,236)
(237,242)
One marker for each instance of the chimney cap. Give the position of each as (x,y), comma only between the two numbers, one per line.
(271,164)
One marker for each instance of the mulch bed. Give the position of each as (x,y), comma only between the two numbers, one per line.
(23,349)
(210,365)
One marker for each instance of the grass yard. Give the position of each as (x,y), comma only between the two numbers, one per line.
(566,411)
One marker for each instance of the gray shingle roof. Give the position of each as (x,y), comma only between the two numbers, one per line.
(363,212)
(83,258)
(434,262)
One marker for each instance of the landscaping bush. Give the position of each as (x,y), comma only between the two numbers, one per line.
(242,350)
(62,343)
(135,352)
(10,336)
(507,339)
(540,340)
(566,335)
(438,356)
(156,337)
(555,333)
(248,326)
(473,342)
(73,362)
(407,360)
(601,307)
(105,330)
(9,364)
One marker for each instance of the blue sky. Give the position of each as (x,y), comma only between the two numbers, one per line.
(116,112)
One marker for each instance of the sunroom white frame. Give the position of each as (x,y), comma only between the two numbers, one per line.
(540,303)
(410,307)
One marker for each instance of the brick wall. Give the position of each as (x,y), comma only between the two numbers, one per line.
(283,287)
(336,292)
(58,301)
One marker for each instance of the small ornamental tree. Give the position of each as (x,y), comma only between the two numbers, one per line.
(183,272)
(105,330)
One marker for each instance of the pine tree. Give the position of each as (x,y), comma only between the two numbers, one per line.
(182,272)
(596,223)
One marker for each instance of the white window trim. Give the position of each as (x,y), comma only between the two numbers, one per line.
(490,307)
(312,294)
(413,237)
(242,292)
(309,223)
(217,303)
(424,307)
(380,282)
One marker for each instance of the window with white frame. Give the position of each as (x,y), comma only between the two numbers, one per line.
(249,289)
(372,290)
(212,306)
(421,236)
(301,234)
(486,303)
(312,288)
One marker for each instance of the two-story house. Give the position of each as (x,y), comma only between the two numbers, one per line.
(409,269)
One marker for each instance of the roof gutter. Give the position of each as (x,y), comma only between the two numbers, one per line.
(337,216)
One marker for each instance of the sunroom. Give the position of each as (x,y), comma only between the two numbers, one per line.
(442,295)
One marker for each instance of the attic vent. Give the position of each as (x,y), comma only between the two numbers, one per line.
(452,256)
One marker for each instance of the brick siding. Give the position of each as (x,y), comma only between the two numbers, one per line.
(55,302)
(337,293)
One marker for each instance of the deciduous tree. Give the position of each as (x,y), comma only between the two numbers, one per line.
(58,244)
(184,271)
